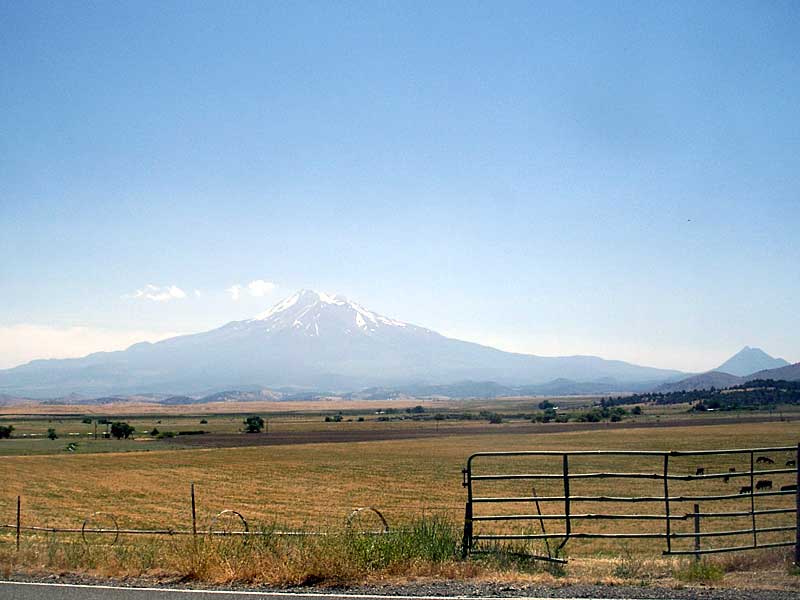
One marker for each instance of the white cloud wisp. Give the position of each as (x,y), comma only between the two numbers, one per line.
(258,288)
(158,293)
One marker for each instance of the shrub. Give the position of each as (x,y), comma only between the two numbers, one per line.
(120,429)
(203,421)
(51,434)
(5,431)
(154,432)
(253,424)
(87,420)
(702,571)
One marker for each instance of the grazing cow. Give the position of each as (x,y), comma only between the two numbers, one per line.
(766,460)
(791,463)
(745,489)
(726,479)
(789,488)
(700,471)
(732,470)
(764,484)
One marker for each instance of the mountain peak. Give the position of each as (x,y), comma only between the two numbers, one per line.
(749,360)
(302,298)
(308,310)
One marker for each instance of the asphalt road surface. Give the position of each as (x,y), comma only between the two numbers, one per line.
(17,590)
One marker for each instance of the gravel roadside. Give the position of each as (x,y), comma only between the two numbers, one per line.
(457,588)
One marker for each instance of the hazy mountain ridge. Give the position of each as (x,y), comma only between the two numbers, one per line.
(310,341)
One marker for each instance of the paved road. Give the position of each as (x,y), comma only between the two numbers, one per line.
(56,591)
(17,590)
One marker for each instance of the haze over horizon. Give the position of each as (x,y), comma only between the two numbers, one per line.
(558,179)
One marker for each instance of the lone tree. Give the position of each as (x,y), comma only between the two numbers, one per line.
(5,431)
(120,429)
(253,424)
(51,434)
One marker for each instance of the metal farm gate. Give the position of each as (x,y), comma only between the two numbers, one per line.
(752,494)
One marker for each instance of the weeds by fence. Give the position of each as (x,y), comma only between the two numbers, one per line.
(222,524)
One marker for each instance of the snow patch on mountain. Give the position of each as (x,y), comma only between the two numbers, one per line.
(305,310)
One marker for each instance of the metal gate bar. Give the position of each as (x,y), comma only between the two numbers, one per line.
(569,517)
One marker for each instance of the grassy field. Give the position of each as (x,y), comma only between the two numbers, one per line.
(315,486)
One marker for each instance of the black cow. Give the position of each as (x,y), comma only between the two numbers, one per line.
(789,488)
(732,470)
(700,471)
(764,484)
(745,489)
(791,463)
(766,460)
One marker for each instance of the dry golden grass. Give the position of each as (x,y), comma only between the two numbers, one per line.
(315,486)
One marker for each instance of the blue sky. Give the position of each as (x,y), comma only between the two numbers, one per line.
(617,178)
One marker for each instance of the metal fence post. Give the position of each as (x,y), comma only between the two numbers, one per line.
(466,544)
(797,507)
(753,498)
(697,532)
(567,519)
(667,523)
(19,518)
(194,515)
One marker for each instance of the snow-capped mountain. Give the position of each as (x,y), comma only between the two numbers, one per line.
(305,310)
(310,340)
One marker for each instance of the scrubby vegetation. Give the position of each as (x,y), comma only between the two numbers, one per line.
(754,395)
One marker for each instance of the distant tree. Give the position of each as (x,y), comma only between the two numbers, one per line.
(5,431)
(87,420)
(120,429)
(51,434)
(549,415)
(203,421)
(636,410)
(154,432)
(545,404)
(495,419)
(253,424)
